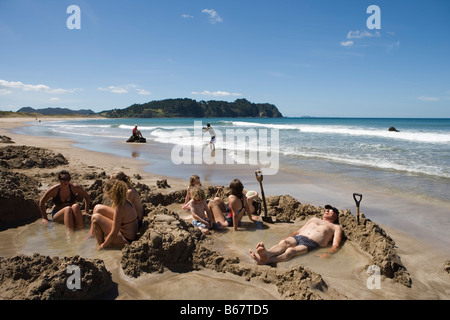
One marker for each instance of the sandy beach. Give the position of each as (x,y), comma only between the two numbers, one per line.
(218,266)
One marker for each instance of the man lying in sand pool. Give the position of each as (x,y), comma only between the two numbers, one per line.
(315,233)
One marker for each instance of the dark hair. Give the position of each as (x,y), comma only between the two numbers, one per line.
(237,188)
(63,172)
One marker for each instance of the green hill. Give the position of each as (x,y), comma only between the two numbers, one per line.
(188,108)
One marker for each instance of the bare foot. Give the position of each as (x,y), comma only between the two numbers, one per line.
(256,257)
(262,252)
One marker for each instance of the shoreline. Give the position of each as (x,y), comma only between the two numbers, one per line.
(418,264)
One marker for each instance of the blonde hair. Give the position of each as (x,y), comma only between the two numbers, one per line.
(117,191)
(193,179)
(198,193)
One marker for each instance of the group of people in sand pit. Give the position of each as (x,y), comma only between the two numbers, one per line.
(118,224)
(216,215)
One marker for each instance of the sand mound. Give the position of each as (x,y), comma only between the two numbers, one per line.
(6,139)
(374,240)
(166,241)
(24,157)
(18,194)
(43,278)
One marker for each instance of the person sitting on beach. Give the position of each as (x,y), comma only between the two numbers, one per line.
(136,133)
(132,194)
(315,233)
(199,207)
(66,209)
(230,215)
(116,225)
(193,181)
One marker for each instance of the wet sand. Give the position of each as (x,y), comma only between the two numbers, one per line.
(345,272)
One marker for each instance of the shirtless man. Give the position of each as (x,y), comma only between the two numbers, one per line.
(315,233)
(211,131)
(199,207)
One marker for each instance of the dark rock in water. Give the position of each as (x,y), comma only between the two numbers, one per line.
(135,139)
(393,129)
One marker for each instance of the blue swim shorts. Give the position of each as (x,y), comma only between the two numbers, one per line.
(305,241)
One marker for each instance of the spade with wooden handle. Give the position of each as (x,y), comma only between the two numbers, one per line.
(357,201)
(259,178)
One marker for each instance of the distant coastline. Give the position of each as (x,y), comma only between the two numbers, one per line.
(168,108)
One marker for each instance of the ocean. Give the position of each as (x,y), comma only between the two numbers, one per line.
(417,157)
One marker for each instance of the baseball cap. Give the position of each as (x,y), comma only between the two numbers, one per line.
(332,208)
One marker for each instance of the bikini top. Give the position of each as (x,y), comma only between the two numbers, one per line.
(230,214)
(58,201)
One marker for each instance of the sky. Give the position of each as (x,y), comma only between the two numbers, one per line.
(321,58)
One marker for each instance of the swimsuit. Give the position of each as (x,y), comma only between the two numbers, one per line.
(305,241)
(125,223)
(59,204)
(229,217)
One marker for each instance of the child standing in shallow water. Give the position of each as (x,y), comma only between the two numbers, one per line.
(203,217)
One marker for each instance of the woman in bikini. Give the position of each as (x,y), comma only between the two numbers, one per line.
(231,214)
(66,209)
(116,225)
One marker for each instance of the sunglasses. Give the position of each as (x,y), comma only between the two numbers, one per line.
(65,179)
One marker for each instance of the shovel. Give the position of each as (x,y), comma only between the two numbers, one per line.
(355,196)
(259,178)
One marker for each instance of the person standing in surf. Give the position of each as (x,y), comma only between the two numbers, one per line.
(212,142)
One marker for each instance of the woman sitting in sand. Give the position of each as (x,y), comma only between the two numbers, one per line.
(132,194)
(116,225)
(231,214)
(66,209)
(193,181)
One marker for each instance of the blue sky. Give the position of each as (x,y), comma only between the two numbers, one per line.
(309,58)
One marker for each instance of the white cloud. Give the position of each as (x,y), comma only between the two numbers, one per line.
(362,34)
(5,87)
(216,93)
(187,16)
(114,89)
(428,99)
(213,16)
(347,43)
(143,92)
(125,89)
